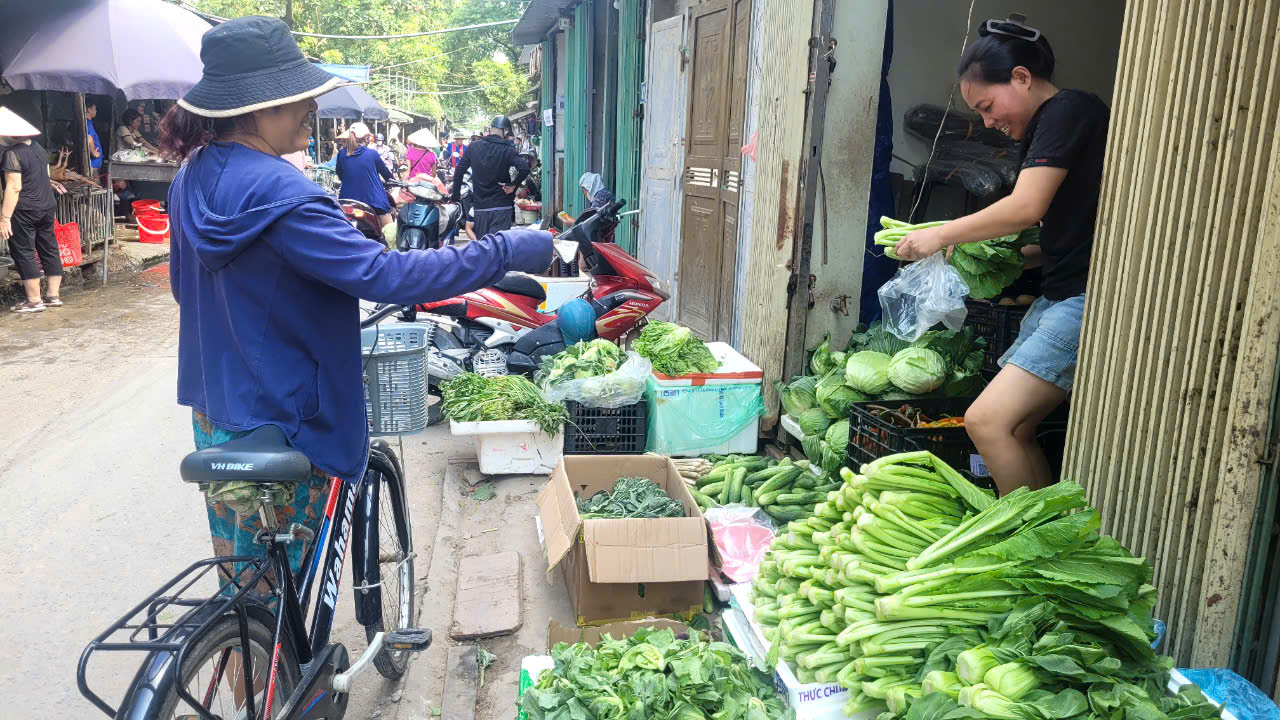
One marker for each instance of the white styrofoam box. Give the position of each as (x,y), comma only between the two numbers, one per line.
(735,369)
(792,426)
(812,701)
(560,290)
(512,447)
(674,410)
(721,585)
(530,668)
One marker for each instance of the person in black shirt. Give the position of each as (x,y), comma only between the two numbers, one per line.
(26,213)
(1006,77)
(490,160)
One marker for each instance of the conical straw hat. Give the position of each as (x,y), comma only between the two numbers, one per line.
(11,125)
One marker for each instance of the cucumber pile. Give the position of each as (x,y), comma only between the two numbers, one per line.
(785,489)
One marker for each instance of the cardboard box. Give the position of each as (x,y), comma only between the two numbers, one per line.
(623,569)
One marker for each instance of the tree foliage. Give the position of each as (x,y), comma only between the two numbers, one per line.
(439,64)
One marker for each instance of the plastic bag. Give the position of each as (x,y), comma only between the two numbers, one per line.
(622,387)
(742,536)
(1235,694)
(700,419)
(922,295)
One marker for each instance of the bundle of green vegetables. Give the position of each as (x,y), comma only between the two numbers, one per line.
(931,599)
(674,349)
(473,398)
(580,360)
(652,674)
(877,365)
(988,266)
(631,498)
(785,490)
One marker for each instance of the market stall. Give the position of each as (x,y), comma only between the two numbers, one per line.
(136,50)
(858,582)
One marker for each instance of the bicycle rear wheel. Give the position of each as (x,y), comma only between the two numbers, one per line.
(395,570)
(213,672)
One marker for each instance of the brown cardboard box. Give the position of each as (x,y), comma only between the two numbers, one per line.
(557,633)
(623,569)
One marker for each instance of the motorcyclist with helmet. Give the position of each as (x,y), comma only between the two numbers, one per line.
(490,161)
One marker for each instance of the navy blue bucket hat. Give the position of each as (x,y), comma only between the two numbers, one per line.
(252,63)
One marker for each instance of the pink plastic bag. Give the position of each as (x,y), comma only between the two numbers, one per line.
(742,537)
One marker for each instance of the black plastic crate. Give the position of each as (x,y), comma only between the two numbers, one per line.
(606,431)
(871,438)
(999,324)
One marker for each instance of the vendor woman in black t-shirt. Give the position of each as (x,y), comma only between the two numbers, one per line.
(1006,77)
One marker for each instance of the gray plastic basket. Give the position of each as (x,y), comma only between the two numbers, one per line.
(395,377)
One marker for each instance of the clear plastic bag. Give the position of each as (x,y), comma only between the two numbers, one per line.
(1233,693)
(922,295)
(742,536)
(622,387)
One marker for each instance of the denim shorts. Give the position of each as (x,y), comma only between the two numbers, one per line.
(1049,340)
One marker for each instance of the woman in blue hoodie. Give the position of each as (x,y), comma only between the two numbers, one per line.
(268,273)
(361,170)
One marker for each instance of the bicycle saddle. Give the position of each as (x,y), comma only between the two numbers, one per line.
(262,456)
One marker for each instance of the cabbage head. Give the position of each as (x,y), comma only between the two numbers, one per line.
(812,447)
(814,421)
(867,372)
(917,370)
(798,396)
(838,434)
(834,396)
(820,363)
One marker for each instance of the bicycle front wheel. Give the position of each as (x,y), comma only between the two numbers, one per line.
(395,568)
(213,672)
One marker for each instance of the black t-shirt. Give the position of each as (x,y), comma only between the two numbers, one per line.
(1069,131)
(31,161)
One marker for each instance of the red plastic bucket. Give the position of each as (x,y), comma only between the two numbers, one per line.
(153,227)
(141,207)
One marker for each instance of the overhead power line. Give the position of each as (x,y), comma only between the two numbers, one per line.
(407,35)
(399,36)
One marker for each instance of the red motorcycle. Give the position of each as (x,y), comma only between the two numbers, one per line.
(499,330)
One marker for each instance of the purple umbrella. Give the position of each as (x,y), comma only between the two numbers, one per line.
(149,49)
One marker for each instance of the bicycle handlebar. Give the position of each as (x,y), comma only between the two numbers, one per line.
(379,313)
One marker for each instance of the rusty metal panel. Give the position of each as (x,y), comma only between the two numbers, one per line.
(1181,327)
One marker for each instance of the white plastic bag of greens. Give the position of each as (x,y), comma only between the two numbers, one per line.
(622,387)
(922,295)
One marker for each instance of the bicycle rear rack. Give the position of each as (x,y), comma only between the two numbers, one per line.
(147,627)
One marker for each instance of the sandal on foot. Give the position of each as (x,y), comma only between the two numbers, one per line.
(28,307)
(53,302)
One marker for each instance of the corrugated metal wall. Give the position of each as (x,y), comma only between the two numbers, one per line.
(1181,328)
(631,19)
(577,107)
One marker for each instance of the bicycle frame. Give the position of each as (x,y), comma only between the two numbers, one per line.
(350,518)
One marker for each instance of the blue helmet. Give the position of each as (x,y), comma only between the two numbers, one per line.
(577,321)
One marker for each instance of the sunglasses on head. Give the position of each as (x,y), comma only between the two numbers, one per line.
(1013,26)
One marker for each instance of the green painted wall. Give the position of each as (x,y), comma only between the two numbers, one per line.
(545,151)
(629,121)
(577,107)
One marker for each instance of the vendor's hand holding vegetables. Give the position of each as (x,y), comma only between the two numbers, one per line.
(1006,77)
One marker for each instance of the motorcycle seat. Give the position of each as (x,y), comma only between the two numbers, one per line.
(521,284)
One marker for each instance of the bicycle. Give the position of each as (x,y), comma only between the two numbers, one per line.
(288,667)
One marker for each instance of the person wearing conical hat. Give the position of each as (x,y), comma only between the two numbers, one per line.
(26,212)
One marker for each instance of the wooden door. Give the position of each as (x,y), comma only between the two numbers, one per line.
(709,208)
(663,161)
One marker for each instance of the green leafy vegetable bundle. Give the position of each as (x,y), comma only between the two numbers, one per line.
(652,674)
(581,360)
(474,398)
(674,349)
(632,497)
(931,599)
(988,266)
